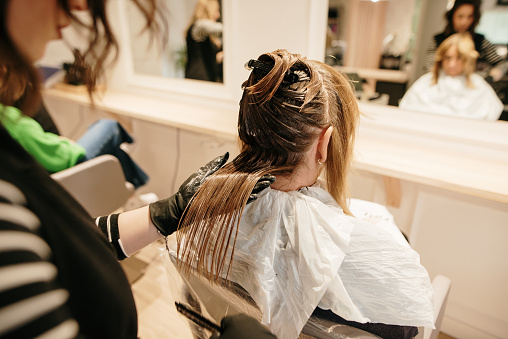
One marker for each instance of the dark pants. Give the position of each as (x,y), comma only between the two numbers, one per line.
(105,137)
(382,330)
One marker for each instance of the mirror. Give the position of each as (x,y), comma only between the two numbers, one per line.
(383,42)
(194,45)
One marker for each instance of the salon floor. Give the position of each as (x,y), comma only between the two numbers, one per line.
(155,292)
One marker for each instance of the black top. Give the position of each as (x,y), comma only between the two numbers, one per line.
(201,59)
(477,38)
(100,298)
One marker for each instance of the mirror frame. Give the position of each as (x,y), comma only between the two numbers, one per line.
(241,43)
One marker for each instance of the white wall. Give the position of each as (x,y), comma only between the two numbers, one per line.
(399,20)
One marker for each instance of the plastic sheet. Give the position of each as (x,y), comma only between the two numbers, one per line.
(298,250)
(216,302)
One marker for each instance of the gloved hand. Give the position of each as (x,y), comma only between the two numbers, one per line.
(166,213)
(242,326)
(265,181)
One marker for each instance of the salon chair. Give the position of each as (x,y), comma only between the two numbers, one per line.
(227,298)
(98,184)
(219,300)
(441,286)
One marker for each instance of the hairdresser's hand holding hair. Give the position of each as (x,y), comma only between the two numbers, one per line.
(165,214)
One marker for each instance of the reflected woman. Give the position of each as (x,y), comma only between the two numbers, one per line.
(463,17)
(452,88)
(204,45)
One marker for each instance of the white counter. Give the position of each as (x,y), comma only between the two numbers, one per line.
(464,156)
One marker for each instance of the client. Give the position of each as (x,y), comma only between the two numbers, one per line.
(452,88)
(56,153)
(298,247)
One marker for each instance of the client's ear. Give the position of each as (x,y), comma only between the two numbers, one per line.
(324,140)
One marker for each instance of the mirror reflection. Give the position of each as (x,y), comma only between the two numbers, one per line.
(194,49)
(388,44)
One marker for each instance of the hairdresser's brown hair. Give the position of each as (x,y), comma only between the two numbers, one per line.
(466,51)
(449,15)
(277,124)
(19,77)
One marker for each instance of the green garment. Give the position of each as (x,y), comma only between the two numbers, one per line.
(50,150)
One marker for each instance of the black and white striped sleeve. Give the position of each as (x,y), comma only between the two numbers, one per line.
(490,56)
(430,54)
(32,304)
(204,28)
(109,226)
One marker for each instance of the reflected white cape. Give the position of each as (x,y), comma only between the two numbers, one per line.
(298,250)
(450,96)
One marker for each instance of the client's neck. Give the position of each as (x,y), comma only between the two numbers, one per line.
(303,176)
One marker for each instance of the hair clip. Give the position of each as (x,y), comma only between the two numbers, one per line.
(265,68)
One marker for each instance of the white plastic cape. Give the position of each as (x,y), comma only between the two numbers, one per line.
(298,250)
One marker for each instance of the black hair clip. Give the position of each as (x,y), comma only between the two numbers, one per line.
(265,68)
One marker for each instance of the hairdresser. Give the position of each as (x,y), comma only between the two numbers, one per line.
(59,274)
(463,17)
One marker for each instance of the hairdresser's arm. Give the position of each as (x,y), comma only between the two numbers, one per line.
(489,55)
(140,227)
(53,152)
(137,230)
(130,231)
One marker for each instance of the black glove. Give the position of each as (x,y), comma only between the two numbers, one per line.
(242,326)
(265,181)
(166,213)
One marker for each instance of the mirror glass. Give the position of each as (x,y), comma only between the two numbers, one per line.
(382,43)
(194,46)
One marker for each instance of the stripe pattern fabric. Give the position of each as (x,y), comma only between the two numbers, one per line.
(32,303)
(109,226)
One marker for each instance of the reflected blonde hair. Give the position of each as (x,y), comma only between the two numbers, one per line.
(277,124)
(466,51)
(204,10)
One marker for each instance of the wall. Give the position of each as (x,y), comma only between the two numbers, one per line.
(399,19)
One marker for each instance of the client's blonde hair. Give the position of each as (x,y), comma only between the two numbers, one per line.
(466,51)
(278,122)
